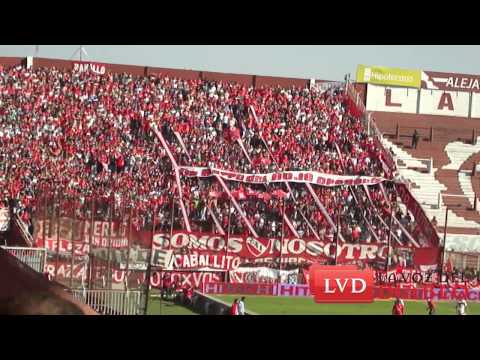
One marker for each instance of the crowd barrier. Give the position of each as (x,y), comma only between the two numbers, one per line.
(33,257)
(112,302)
(207,305)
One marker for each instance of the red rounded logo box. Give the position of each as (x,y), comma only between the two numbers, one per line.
(341,284)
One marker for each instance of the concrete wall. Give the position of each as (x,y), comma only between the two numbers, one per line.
(248,80)
(207,305)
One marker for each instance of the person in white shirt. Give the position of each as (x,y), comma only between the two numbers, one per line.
(461,307)
(241,306)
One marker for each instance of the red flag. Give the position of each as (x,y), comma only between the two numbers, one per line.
(426,256)
(239,194)
(280,194)
(215,194)
(265,196)
(234,134)
(251,192)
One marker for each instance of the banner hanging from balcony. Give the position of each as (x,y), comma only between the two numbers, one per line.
(310,177)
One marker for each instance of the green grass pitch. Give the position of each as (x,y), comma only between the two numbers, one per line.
(166,308)
(284,305)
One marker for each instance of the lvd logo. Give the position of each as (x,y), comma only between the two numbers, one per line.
(341,284)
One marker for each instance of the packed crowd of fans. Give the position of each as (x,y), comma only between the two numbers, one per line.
(83,136)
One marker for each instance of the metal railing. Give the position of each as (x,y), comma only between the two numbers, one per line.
(112,302)
(24,230)
(33,257)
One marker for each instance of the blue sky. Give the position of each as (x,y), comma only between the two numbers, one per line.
(327,62)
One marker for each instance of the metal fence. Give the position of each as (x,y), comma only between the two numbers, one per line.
(33,257)
(461,261)
(112,302)
(24,230)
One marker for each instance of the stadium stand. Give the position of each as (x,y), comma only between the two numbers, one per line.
(89,135)
(117,148)
(454,151)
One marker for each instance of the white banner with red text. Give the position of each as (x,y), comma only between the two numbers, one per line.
(263,275)
(311,177)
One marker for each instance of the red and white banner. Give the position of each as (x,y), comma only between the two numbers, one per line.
(256,289)
(195,279)
(252,250)
(263,275)
(197,250)
(424,226)
(305,177)
(81,232)
(204,260)
(379,292)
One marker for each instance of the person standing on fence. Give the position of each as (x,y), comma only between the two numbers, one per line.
(415,138)
(241,306)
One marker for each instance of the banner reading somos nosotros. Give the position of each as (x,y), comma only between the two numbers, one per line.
(389,76)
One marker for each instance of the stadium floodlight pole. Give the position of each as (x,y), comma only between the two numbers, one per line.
(79,50)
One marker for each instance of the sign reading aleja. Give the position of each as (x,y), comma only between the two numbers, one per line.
(312,177)
(84,66)
(450,81)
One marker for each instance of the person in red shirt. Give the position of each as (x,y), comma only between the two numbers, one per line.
(234,308)
(430,307)
(398,307)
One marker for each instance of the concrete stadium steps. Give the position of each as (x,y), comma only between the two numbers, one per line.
(463,224)
(404,157)
(424,150)
(458,152)
(448,178)
(467,168)
(457,230)
(465,181)
(426,188)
